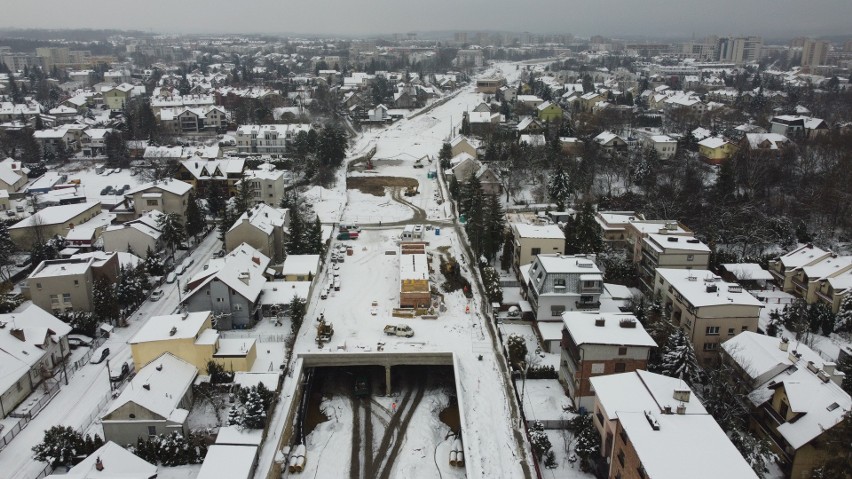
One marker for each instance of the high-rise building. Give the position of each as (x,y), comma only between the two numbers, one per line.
(814,53)
(52,56)
(739,50)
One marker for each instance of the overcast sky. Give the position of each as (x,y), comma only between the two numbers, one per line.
(655,18)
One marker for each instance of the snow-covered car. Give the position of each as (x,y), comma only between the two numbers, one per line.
(324,293)
(157,295)
(99,355)
(78,340)
(374,308)
(171,277)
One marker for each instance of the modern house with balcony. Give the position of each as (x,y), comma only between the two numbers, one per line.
(794,396)
(673,252)
(783,267)
(532,240)
(636,230)
(706,308)
(596,344)
(556,283)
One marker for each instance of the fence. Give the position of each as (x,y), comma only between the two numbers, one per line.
(260,338)
(28,416)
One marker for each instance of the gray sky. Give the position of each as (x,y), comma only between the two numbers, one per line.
(670,18)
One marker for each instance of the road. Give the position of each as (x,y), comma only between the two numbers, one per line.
(76,404)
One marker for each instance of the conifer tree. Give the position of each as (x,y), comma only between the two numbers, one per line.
(679,359)
(194,217)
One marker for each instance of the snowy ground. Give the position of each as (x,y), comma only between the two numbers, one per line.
(375,209)
(370,275)
(91,183)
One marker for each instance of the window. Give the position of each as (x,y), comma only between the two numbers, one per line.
(557,310)
(712,330)
(745,328)
(559,283)
(535,251)
(152,430)
(623,436)
(711,346)
(621,458)
(690,257)
(238,307)
(730,331)
(620,367)
(587,299)
(151,202)
(784,409)
(76,282)
(622,351)
(219,300)
(54,299)
(66,297)
(18,386)
(38,285)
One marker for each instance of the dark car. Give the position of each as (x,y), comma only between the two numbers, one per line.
(120,374)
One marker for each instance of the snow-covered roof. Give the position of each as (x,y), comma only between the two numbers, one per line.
(640,391)
(128,260)
(239,436)
(117,463)
(621,329)
(747,271)
(159,328)
(300,264)
(538,231)
(414,266)
(9,175)
(206,169)
(263,217)
(167,378)
(571,264)
(175,187)
(713,142)
(664,242)
(19,354)
(827,266)
(245,379)
(606,137)
(242,270)
(61,267)
(53,215)
(802,256)
(773,141)
(668,449)
(282,292)
(224,461)
(703,288)
(533,140)
(761,356)
(662,139)
(550,330)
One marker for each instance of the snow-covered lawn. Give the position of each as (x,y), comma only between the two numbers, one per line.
(373,209)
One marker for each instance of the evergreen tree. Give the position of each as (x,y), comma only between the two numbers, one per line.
(254,416)
(454,187)
(842,321)
(538,440)
(295,243)
(235,415)
(588,439)
(491,281)
(756,451)
(7,249)
(244,199)
(465,126)
(62,444)
(171,231)
(495,227)
(517,348)
(297,310)
(130,289)
(115,148)
(216,201)
(559,188)
(153,263)
(508,247)
(582,233)
(679,359)
(331,146)
(445,155)
(838,458)
(194,217)
(105,306)
(313,238)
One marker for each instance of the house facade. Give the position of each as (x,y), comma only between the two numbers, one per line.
(263,228)
(556,283)
(63,286)
(532,240)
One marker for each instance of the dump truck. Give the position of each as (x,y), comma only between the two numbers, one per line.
(324,331)
(399,330)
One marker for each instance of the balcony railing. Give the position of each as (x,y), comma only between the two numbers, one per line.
(583,305)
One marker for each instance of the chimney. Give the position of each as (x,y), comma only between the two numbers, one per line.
(18,334)
(812,367)
(146,386)
(829,367)
(245,277)
(173,331)
(823,376)
(600,322)
(255,260)
(99,465)
(682,395)
(794,356)
(784,344)
(837,377)
(627,323)
(667,410)
(681,409)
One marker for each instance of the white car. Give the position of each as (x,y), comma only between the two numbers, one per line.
(156,295)
(374,308)
(171,277)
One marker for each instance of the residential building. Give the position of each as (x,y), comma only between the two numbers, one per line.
(664,145)
(597,343)
(170,100)
(489,86)
(460,145)
(765,143)
(116,97)
(650,425)
(795,126)
(167,196)
(157,401)
(52,221)
(230,287)
(794,396)
(68,285)
(67,137)
(301,267)
(548,111)
(784,267)
(110,460)
(93,142)
(739,50)
(202,174)
(589,100)
(532,240)
(272,140)
(670,251)
(832,290)
(610,142)
(706,308)
(190,337)
(464,165)
(813,282)
(414,285)
(138,236)
(177,121)
(715,149)
(14,111)
(264,228)
(267,184)
(13,175)
(814,53)
(557,283)
(33,344)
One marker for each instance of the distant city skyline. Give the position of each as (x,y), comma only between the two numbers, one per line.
(648,18)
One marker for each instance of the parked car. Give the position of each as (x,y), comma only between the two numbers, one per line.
(120,374)
(19,208)
(99,355)
(157,295)
(324,293)
(179,269)
(22,261)
(78,340)
(171,277)
(374,308)
(399,330)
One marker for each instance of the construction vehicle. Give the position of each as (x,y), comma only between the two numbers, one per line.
(324,331)
(399,330)
(411,191)
(362,387)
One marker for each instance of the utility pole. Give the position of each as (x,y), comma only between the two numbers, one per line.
(109,375)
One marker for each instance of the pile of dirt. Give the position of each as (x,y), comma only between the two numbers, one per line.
(375,185)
